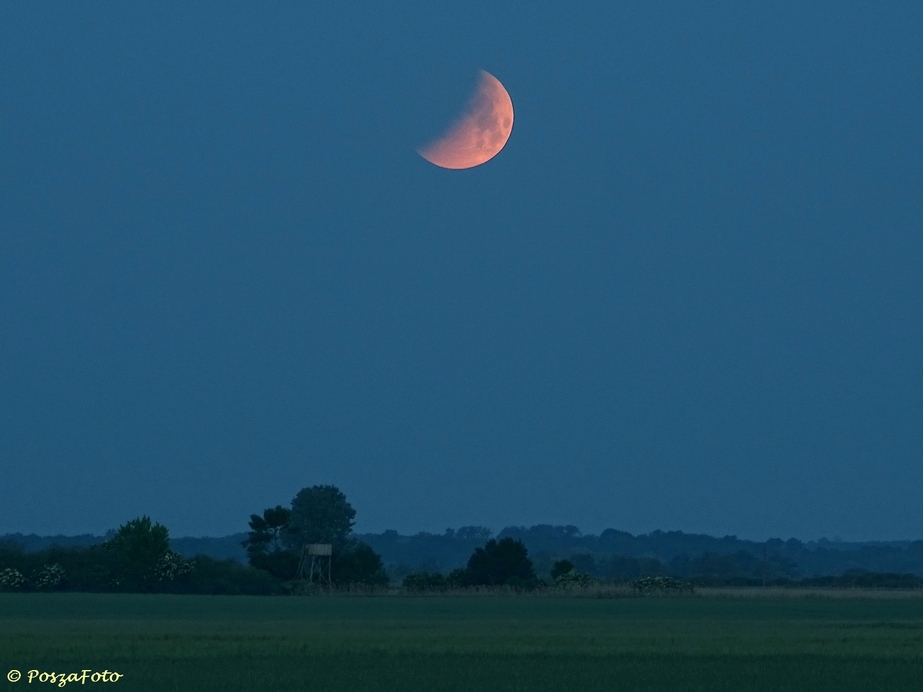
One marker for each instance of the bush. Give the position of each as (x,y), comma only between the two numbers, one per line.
(282,564)
(11,580)
(661,585)
(223,577)
(171,566)
(51,577)
(573,578)
(86,569)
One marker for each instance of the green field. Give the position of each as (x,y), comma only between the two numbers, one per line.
(161,642)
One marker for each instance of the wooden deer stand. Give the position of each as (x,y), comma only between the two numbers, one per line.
(315,567)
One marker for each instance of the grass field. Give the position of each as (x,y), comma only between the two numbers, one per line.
(712,642)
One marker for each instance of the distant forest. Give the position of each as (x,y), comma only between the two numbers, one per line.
(611,555)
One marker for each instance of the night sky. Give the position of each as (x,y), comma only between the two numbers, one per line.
(686,295)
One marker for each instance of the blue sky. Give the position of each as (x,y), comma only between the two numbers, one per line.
(686,295)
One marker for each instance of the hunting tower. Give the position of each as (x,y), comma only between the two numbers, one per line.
(315,567)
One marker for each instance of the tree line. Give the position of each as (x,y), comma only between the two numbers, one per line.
(618,555)
(138,557)
(135,559)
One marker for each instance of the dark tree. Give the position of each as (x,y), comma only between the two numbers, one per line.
(266,531)
(501,562)
(320,514)
(135,551)
(264,544)
(357,563)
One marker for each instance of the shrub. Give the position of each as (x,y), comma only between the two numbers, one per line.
(86,569)
(171,566)
(51,577)
(282,564)
(573,578)
(223,577)
(11,579)
(661,585)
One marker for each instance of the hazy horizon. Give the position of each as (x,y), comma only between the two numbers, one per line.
(496,530)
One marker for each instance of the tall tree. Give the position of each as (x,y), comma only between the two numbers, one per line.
(266,532)
(265,543)
(135,551)
(320,514)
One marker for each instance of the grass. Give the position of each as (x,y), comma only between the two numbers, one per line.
(726,640)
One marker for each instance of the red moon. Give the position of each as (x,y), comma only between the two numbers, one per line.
(480,133)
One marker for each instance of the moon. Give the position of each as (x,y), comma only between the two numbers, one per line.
(480,133)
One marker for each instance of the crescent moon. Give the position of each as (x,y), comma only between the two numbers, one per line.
(480,133)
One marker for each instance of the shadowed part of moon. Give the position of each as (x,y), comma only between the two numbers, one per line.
(480,133)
